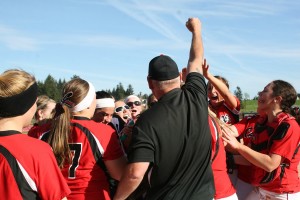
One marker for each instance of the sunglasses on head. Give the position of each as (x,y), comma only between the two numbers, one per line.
(121,108)
(137,103)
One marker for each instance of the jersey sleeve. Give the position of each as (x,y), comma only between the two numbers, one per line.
(195,83)
(33,132)
(8,185)
(241,125)
(50,182)
(111,145)
(238,106)
(285,139)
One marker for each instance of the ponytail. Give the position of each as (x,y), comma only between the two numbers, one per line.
(59,134)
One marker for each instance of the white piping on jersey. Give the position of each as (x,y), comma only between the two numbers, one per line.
(28,178)
(42,135)
(98,144)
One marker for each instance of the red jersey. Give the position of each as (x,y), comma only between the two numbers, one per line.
(249,128)
(280,137)
(284,142)
(28,168)
(91,143)
(37,131)
(223,185)
(226,114)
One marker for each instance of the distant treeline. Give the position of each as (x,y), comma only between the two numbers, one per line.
(53,88)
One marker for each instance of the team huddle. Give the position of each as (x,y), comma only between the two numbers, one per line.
(187,143)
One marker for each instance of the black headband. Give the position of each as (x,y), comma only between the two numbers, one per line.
(18,104)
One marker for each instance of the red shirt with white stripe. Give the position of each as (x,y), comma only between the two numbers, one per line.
(223,185)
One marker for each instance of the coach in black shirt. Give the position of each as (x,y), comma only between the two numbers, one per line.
(172,141)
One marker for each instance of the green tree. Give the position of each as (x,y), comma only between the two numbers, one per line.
(239,94)
(129,90)
(255,98)
(41,88)
(246,96)
(119,92)
(60,86)
(74,76)
(51,90)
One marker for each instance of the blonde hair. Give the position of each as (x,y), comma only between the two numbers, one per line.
(74,91)
(42,103)
(15,81)
(222,125)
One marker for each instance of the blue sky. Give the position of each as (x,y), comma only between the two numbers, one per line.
(106,42)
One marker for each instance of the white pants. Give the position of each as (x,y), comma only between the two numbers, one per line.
(261,194)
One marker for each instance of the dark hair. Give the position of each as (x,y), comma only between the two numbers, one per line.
(151,100)
(287,92)
(102,94)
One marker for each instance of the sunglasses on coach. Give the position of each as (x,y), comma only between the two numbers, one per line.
(121,108)
(137,103)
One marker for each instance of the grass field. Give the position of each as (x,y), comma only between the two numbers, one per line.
(251,105)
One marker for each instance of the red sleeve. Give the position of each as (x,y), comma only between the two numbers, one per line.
(286,146)
(33,132)
(238,104)
(36,131)
(50,182)
(111,145)
(8,185)
(241,125)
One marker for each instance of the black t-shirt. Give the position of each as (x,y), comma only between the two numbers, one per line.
(174,136)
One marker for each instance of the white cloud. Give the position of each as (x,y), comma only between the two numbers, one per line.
(14,40)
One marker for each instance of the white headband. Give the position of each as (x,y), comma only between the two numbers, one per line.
(87,100)
(105,103)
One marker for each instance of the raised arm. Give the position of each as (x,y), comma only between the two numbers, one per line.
(196,51)
(220,86)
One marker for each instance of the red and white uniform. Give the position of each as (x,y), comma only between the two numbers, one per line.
(38,130)
(91,143)
(285,147)
(283,141)
(28,167)
(223,185)
(249,128)
(227,114)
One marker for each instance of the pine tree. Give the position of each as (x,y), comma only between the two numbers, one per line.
(239,94)
(129,90)
(51,89)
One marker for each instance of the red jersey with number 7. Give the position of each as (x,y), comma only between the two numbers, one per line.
(91,143)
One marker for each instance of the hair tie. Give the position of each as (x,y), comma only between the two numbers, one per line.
(67,102)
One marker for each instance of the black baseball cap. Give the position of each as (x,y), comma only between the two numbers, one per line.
(162,68)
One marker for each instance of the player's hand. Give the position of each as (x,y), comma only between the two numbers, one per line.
(193,25)
(205,68)
(231,141)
